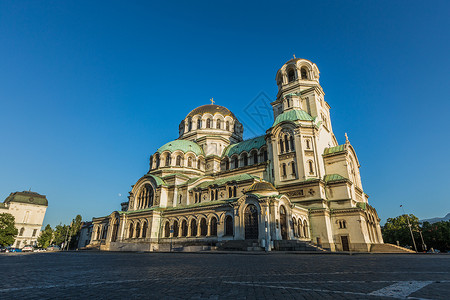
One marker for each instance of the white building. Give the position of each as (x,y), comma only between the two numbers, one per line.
(292,187)
(28,209)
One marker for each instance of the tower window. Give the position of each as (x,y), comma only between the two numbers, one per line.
(189,125)
(178,161)
(167,160)
(255,158)
(190,162)
(307,145)
(291,75)
(236,163)
(227,126)
(218,124)
(281,146)
(292,143)
(304,73)
(245,160)
(208,123)
(311,167)
(199,123)
(283,167)
(286,143)
(293,169)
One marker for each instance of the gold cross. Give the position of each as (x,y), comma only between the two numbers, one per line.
(212,100)
(294,55)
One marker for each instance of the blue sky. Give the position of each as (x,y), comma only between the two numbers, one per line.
(90,89)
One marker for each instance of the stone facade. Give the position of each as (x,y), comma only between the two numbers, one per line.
(28,209)
(210,187)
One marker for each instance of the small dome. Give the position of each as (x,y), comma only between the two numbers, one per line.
(182,145)
(212,109)
(293,115)
(262,186)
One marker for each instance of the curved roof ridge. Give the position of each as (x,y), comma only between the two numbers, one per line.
(293,115)
(247,145)
(182,145)
(212,109)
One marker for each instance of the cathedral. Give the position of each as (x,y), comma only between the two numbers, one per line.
(295,187)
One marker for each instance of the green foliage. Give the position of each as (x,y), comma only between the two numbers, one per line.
(46,237)
(7,229)
(396,229)
(60,234)
(437,235)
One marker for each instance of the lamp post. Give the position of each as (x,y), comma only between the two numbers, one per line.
(410,229)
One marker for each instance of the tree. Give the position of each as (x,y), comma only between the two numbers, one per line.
(60,234)
(437,235)
(7,229)
(46,237)
(74,231)
(397,229)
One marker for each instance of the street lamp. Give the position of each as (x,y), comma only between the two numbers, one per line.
(410,230)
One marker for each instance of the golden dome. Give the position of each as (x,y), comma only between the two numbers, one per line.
(212,109)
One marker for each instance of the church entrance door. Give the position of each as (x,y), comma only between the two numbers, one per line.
(251,222)
(344,240)
(283,225)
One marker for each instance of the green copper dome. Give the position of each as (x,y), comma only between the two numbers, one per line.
(293,115)
(182,145)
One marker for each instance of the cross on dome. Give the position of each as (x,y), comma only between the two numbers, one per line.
(212,100)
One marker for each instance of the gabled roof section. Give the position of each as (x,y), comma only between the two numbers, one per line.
(221,181)
(333,177)
(334,150)
(293,115)
(27,197)
(248,145)
(182,145)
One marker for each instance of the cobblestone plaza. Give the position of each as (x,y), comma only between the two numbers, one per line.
(97,275)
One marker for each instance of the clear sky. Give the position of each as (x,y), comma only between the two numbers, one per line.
(90,89)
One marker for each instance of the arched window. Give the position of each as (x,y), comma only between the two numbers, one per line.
(198,164)
(305,229)
(180,198)
(196,197)
(167,160)
(131,231)
(266,156)
(213,228)
(218,124)
(208,123)
(292,143)
(245,159)
(293,169)
(144,229)
(286,143)
(281,145)
(184,228)
(203,227)
(175,228)
(138,230)
(98,233)
(227,164)
(167,230)
(307,145)
(212,195)
(234,191)
(304,73)
(283,171)
(193,228)
(294,227)
(21,231)
(300,228)
(157,161)
(236,163)
(199,123)
(255,157)
(228,225)
(311,167)
(227,126)
(178,162)
(190,162)
(291,75)
(287,102)
(189,125)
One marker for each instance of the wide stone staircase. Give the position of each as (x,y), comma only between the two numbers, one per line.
(247,245)
(295,245)
(388,248)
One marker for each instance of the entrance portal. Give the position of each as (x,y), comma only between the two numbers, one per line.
(283,226)
(344,240)
(251,222)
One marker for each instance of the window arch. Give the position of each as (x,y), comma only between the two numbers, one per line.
(203,227)
(304,73)
(184,228)
(294,173)
(291,75)
(21,231)
(245,159)
(213,227)
(178,161)
(291,139)
(167,230)
(236,162)
(189,164)
(208,123)
(189,124)
(228,225)
(175,228)
(281,146)
(305,229)
(218,124)
(294,227)
(311,167)
(308,146)
(167,160)
(227,126)
(300,228)
(138,230)
(131,231)
(283,170)
(199,123)
(255,157)
(286,143)
(198,164)
(144,229)
(227,164)
(193,228)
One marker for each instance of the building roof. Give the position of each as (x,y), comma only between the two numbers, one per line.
(27,197)
(293,115)
(333,177)
(182,145)
(159,181)
(261,186)
(248,145)
(333,150)
(221,181)
(212,109)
